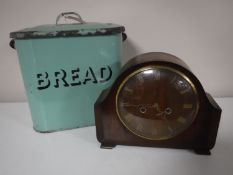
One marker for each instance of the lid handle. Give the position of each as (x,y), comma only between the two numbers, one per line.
(67,15)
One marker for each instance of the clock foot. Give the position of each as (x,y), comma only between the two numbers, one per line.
(202,151)
(107,146)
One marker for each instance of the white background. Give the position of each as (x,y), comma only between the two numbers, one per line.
(198,31)
(76,152)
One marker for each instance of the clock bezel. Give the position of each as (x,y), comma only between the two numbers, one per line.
(152,67)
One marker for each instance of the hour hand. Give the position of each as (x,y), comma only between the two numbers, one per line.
(160,113)
(129,105)
(156,106)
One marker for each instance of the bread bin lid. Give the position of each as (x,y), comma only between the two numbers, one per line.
(80,28)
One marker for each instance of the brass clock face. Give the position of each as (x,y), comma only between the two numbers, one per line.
(156,102)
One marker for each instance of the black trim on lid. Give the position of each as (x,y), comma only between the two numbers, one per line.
(69,33)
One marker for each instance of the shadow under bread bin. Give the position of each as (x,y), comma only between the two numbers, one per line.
(65,67)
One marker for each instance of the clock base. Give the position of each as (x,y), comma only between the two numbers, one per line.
(197,151)
(202,151)
(107,146)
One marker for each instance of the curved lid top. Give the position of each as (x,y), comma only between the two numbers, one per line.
(68,30)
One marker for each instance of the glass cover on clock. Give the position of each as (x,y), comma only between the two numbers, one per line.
(157,102)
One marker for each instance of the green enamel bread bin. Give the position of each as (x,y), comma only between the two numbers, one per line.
(65,67)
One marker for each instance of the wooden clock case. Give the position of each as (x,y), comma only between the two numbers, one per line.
(200,136)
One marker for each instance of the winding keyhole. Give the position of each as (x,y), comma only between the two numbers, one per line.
(143,109)
(168,111)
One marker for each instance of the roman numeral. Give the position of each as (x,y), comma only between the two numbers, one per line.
(140,78)
(154,131)
(139,127)
(181,120)
(187,106)
(184,91)
(173,80)
(157,75)
(128,118)
(127,89)
(170,129)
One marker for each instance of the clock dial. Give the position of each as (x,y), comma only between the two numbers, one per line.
(156,102)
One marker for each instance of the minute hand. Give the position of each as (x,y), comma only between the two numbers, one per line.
(138,105)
